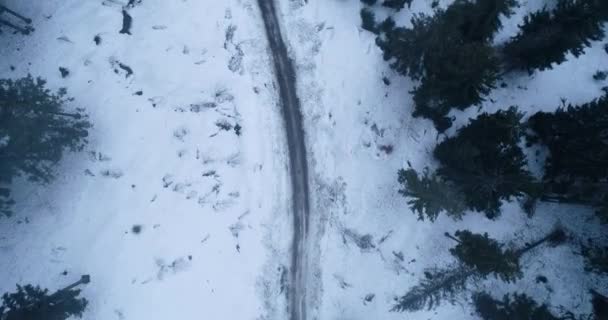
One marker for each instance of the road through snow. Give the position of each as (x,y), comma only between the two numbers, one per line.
(285,76)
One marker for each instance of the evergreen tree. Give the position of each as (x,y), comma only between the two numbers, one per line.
(437,286)
(485,255)
(35,129)
(600,305)
(445,284)
(368,20)
(577,168)
(516,307)
(484,162)
(450,54)
(34,303)
(369,2)
(397,4)
(547,36)
(428,195)
(596,258)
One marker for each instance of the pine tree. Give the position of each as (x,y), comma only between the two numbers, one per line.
(368,20)
(515,307)
(450,54)
(596,258)
(577,168)
(428,195)
(547,36)
(34,303)
(485,255)
(445,284)
(484,162)
(437,286)
(35,129)
(397,4)
(600,305)
(369,2)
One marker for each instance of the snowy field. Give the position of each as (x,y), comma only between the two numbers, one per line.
(179,207)
(189,149)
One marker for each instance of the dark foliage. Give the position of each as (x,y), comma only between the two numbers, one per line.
(577,168)
(600,305)
(34,303)
(515,307)
(486,256)
(368,20)
(397,4)
(445,284)
(596,258)
(547,36)
(429,195)
(369,2)
(450,54)
(35,129)
(437,286)
(484,162)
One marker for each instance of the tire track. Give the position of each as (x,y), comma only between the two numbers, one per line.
(292,116)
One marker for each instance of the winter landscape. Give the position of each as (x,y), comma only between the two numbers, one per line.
(304,159)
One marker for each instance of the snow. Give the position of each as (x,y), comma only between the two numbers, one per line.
(352,115)
(160,160)
(212,205)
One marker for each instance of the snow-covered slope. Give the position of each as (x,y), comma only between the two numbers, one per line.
(370,247)
(164,154)
(212,205)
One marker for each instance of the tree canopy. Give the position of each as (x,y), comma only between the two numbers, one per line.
(35,129)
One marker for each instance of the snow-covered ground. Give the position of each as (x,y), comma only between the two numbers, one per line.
(212,204)
(370,248)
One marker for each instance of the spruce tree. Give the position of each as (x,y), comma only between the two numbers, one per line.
(576,170)
(428,195)
(451,55)
(397,4)
(472,251)
(369,2)
(485,163)
(368,20)
(34,303)
(515,307)
(600,305)
(485,255)
(546,37)
(35,129)
(596,258)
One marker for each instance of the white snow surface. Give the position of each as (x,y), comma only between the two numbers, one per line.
(158,160)
(199,191)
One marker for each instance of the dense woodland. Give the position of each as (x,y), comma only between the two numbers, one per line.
(455,62)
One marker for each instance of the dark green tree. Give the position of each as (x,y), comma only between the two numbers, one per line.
(546,37)
(428,195)
(450,54)
(368,20)
(596,258)
(515,307)
(445,284)
(600,305)
(576,170)
(484,162)
(369,2)
(35,129)
(485,255)
(34,303)
(397,4)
